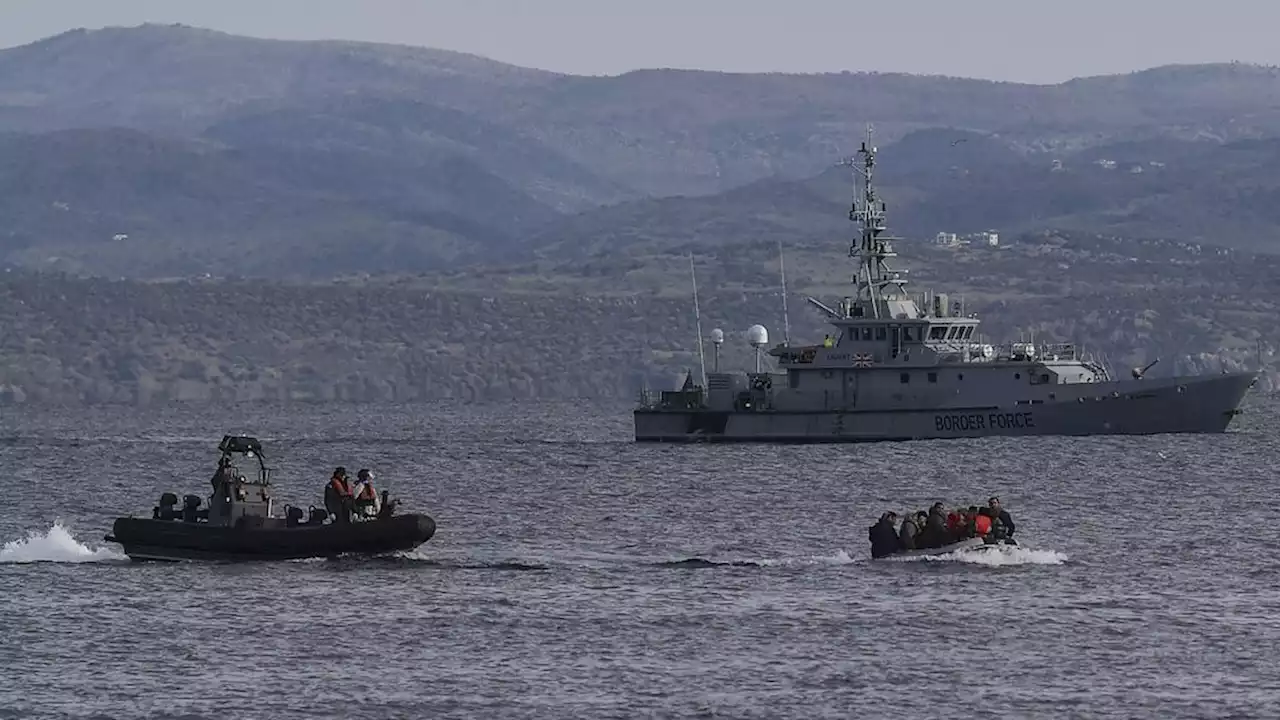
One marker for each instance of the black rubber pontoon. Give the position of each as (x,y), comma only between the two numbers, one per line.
(238,525)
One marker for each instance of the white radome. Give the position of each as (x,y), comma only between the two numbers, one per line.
(758,336)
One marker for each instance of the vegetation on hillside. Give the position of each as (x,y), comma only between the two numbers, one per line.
(87,340)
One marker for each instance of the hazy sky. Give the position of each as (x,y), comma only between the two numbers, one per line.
(1024,40)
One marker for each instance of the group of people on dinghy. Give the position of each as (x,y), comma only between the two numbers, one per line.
(939,528)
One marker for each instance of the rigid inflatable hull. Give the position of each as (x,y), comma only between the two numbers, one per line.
(968,544)
(146,539)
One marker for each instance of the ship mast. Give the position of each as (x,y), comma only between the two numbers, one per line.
(874,280)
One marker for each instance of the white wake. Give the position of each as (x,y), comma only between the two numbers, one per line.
(55,545)
(999,556)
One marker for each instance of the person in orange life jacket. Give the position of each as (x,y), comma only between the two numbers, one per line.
(366,497)
(338,497)
(982,525)
(956,524)
(970,518)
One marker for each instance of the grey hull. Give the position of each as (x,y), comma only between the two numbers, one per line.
(975,544)
(1195,404)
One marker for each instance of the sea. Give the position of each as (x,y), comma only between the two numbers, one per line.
(578,574)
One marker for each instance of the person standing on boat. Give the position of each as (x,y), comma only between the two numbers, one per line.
(338,498)
(366,497)
(221,475)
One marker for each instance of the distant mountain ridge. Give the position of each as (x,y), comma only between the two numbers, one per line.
(224,154)
(189,207)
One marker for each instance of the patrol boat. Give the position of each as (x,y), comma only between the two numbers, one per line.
(239,525)
(904,367)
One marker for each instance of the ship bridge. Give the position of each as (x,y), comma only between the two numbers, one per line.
(924,330)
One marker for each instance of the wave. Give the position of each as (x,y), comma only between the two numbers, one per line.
(697,562)
(423,557)
(55,545)
(839,558)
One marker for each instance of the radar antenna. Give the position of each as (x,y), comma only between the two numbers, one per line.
(874,280)
(758,336)
(717,339)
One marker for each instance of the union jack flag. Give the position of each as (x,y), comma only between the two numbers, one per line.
(862,359)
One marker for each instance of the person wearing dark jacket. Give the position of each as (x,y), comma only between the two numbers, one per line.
(999,514)
(934,533)
(884,536)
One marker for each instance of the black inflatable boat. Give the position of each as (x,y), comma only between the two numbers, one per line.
(239,525)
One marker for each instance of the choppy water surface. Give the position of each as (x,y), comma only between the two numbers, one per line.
(577,574)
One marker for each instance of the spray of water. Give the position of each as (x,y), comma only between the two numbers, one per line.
(56,545)
(1001,556)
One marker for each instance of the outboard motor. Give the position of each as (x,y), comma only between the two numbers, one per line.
(388,506)
(191,508)
(292,516)
(318,516)
(165,511)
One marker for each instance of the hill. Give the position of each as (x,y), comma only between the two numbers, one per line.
(657,132)
(308,209)
(226,155)
(70,340)
(190,207)
(943,180)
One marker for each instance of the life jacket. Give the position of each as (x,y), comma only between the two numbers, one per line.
(340,486)
(983,524)
(954,521)
(367,492)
